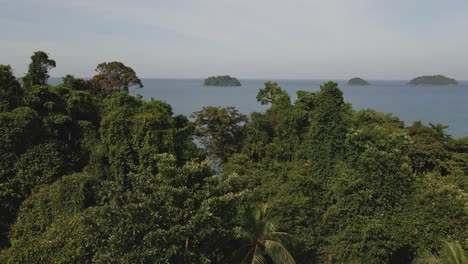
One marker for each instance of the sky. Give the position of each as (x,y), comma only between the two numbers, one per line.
(291,39)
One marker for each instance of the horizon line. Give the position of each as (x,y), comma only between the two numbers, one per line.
(260,78)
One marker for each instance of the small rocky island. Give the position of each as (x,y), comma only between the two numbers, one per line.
(225,80)
(358,81)
(433,80)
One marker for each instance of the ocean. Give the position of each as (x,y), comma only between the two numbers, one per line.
(446,105)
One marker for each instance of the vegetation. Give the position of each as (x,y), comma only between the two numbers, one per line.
(91,174)
(452,253)
(264,242)
(225,80)
(358,81)
(38,69)
(221,130)
(433,80)
(115,76)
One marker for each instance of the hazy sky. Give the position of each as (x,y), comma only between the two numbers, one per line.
(311,39)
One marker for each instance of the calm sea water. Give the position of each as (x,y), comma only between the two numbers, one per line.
(436,104)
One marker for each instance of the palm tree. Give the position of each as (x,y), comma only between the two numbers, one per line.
(264,242)
(452,253)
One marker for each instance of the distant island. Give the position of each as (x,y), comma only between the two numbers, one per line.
(225,80)
(358,81)
(433,80)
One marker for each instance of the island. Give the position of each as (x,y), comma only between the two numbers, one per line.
(433,80)
(358,81)
(225,80)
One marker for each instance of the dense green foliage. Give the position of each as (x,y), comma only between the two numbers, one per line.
(263,242)
(114,76)
(224,80)
(221,130)
(38,69)
(10,89)
(91,174)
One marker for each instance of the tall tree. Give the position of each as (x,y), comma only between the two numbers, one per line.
(115,76)
(221,130)
(275,134)
(39,68)
(327,132)
(10,89)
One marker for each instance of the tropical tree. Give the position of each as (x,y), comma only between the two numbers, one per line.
(429,149)
(221,130)
(275,134)
(39,68)
(75,83)
(451,253)
(265,243)
(324,143)
(115,76)
(10,89)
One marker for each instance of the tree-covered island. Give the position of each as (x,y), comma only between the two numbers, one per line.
(433,80)
(222,80)
(357,82)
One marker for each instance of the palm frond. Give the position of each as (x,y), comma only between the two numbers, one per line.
(265,241)
(453,253)
(278,253)
(258,257)
(247,256)
(428,259)
(237,251)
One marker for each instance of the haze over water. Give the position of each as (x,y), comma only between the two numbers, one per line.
(436,104)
